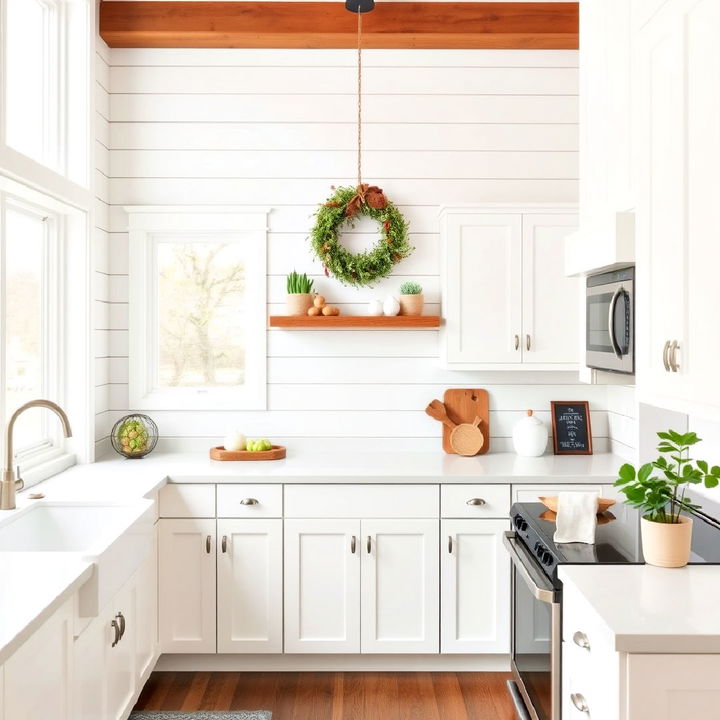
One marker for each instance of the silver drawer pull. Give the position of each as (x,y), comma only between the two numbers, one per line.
(249,501)
(353,544)
(450,544)
(476,501)
(208,544)
(579,702)
(369,545)
(581,640)
(224,543)
(114,625)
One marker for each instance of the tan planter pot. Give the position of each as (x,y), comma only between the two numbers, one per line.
(299,303)
(666,544)
(412,304)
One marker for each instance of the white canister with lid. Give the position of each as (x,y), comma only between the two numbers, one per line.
(530,436)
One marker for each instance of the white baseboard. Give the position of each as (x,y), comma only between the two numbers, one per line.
(331,663)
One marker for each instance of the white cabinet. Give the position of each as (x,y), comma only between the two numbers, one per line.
(187,591)
(475,587)
(120,655)
(397,598)
(146,616)
(665,687)
(399,595)
(504,288)
(249,586)
(322,586)
(38,676)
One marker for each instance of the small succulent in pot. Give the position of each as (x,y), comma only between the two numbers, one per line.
(412,300)
(299,293)
(134,436)
(658,489)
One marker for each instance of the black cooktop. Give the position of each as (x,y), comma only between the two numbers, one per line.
(617,538)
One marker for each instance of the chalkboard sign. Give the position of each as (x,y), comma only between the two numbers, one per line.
(571,428)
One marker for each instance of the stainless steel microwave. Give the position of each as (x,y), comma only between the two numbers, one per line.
(610,316)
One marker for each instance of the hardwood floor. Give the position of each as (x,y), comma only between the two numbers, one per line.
(335,696)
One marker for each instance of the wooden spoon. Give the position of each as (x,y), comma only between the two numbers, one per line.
(437,410)
(467,438)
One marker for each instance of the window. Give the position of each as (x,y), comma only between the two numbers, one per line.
(31,310)
(45,80)
(197,308)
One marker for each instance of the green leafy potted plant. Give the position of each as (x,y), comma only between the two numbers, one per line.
(658,490)
(299,294)
(411,299)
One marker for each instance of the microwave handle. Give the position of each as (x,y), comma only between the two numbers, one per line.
(611,321)
(544,594)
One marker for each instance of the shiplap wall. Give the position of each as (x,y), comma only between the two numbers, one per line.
(101,238)
(276,128)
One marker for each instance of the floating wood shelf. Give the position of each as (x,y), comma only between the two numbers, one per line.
(524,25)
(354,321)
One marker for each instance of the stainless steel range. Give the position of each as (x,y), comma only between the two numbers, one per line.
(537,593)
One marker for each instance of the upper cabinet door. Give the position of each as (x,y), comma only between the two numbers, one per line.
(482,294)
(551,301)
(661,227)
(249,608)
(187,586)
(322,586)
(400,586)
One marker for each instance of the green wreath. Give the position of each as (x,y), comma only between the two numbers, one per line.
(363,268)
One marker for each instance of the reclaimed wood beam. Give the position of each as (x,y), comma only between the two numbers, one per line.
(185,24)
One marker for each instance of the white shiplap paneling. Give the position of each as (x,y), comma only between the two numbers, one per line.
(277,128)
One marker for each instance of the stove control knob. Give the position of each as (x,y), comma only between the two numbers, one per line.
(520,524)
(547,558)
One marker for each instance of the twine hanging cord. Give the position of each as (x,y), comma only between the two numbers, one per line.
(359,96)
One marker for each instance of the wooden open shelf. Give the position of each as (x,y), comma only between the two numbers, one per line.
(354,321)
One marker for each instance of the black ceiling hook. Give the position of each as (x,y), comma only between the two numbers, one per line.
(359,6)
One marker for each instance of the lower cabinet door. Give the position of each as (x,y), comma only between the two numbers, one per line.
(400,586)
(146,611)
(475,587)
(90,678)
(186,599)
(322,586)
(120,632)
(38,676)
(249,602)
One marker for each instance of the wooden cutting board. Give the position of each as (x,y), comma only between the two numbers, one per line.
(462,407)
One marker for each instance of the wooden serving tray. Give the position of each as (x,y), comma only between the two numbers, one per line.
(463,406)
(220,453)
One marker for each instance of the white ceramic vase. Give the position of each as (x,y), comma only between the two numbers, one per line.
(391,306)
(375,307)
(530,436)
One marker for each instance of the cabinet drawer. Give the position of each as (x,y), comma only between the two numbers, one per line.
(459,501)
(249,501)
(186,501)
(531,493)
(362,501)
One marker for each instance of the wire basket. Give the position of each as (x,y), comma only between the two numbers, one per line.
(134,436)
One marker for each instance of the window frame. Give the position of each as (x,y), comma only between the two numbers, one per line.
(147,226)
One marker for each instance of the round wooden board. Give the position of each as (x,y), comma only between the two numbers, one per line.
(551,503)
(220,453)
(467,439)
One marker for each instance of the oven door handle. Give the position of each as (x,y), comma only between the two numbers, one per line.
(611,321)
(539,587)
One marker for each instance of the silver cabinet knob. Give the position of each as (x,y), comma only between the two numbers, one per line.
(581,640)
(450,544)
(666,362)
(353,544)
(121,623)
(517,342)
(224,543)
(208,544)
(528,342)
(249,501)
(476,501)
(672,356)
(579,702)
(369,544)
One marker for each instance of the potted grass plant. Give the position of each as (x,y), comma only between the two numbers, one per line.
(299,294)
(412,300)
(658,489)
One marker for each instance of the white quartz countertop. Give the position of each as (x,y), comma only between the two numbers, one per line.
(34,585)
(653,610)
(307,466)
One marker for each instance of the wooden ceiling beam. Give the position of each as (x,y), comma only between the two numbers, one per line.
(186,24)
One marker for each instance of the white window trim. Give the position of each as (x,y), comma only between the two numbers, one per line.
(71,336)
(146,225)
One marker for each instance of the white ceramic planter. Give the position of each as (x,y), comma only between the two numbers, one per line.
(666,544)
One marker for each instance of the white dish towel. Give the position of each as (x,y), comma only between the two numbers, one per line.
(576,517)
